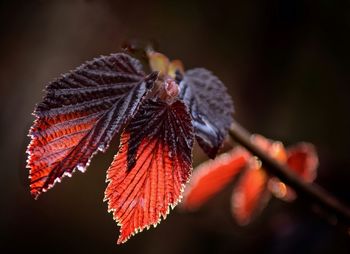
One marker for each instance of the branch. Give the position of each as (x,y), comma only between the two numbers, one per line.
(309,191)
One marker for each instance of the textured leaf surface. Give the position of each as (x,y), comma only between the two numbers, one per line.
(211,108)
(212,176)
(153,164)
(250,195)
(79,115)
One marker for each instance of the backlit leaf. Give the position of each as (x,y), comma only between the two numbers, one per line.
(158,62)
(153,164)
(212,176)
(80,113)
(210,106)
(250,194)
(175,66)
(303,160)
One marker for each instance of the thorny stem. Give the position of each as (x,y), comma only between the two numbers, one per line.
(309,191)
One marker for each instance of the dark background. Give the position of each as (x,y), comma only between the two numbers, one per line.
(286,64)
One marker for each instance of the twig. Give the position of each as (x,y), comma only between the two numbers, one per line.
(310,191)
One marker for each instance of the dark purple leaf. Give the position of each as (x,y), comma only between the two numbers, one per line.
(210,106)
(81,112)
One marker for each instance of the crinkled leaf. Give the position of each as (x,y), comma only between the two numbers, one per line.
(212,176)
(210,106)
(79,115)
(250,194)
(159,142)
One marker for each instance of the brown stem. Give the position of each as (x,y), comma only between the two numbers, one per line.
(310,191)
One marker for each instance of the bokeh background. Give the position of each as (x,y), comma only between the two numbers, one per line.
(285,62)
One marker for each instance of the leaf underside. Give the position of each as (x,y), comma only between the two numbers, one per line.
(158,141)
(212,176)
(211,108)
(80,113)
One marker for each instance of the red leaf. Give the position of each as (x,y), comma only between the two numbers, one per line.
(250,194)
(211,108)
(79,115)
(303,159)
(159,141)
(212,176)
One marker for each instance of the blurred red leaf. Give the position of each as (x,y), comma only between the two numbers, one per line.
(250,194)
(212,176)
(254,188)
(303,160)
